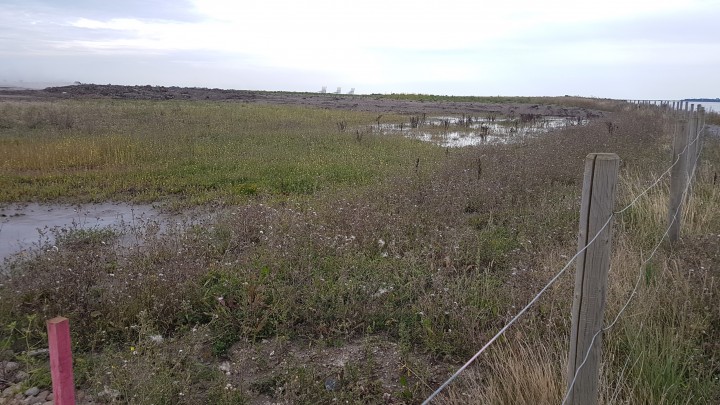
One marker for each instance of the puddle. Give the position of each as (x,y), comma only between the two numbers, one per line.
(456,132)
(24,227)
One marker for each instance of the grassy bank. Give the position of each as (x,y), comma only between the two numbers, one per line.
(367,290)
(190,152)
(662,349)
(568,101)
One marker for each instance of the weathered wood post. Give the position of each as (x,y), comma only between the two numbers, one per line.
(701,137)
(61,369)
(678,180)
(692,140)
(598,198)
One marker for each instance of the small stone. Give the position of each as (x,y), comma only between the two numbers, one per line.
(31,392)
(8,392)
(44,395)
(225,367)
(332,384)
(11,366)
(49,403)
(79,395)
(33,400)
(38,352)
(156,338)
(20,376)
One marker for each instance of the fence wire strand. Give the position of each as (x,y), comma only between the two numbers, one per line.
(562,271)
(519,314)
(665,173)
(640,274)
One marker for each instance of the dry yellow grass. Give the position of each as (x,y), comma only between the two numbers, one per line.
(517,373)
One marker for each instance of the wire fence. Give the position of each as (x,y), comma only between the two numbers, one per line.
(637,283)
(682,108)
(516,317)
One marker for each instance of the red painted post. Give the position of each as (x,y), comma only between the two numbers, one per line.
(61,361)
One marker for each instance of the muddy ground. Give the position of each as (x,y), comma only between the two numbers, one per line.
(372,103)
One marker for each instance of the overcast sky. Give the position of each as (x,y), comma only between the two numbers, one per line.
(654,49)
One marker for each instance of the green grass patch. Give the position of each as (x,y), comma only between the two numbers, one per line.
(194,152)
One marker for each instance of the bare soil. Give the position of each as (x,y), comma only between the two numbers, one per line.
(257,368)
(372,103)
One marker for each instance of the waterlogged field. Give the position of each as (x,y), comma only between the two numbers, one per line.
(328,257)
(457,132)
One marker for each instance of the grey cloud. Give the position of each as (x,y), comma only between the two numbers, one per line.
(175,10)
(33,31)
(40,28)
(176,69)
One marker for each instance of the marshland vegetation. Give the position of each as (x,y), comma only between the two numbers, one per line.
(343,268)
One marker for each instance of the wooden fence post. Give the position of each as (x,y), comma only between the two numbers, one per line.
(678,180)
(598,198)
(61,361)
(692,142)
(701,137)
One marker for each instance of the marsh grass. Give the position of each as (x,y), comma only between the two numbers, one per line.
(517,373)
(712,118)
(432,261)
(195,152)
(662,350)
(569,101)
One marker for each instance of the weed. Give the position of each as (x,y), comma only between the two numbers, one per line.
(77,237)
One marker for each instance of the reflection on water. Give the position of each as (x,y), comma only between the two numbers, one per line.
(456,132)
(24,227)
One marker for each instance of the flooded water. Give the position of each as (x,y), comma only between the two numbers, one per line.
(456,132)
(24,227)
(710,105)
